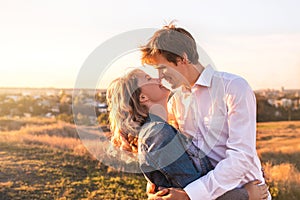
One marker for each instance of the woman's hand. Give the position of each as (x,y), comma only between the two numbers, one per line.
(256,191)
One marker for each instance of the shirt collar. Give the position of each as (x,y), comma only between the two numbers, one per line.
(206,76)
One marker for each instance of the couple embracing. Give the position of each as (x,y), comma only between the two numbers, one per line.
(209,151)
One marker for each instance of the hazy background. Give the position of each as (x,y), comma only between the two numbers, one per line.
(44,43)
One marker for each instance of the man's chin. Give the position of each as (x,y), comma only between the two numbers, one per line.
(167,84)
(170,85)
(174,86)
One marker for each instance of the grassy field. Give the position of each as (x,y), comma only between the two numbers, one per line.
(44,159)
(278,146)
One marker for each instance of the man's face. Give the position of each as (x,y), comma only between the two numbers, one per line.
(172,73)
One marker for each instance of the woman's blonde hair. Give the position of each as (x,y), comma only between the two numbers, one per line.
(126,114)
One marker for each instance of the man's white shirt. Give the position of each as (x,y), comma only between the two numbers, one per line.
(219,112)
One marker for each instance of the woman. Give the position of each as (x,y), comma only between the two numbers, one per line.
(138,120)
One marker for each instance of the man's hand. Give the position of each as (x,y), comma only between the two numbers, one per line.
(175,194)
(165,193)
(256,191)
(152,195)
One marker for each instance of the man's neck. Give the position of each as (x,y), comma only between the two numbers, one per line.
(193,73)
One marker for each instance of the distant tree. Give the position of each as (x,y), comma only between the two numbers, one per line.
(65,103)
(265,111)
(6,106)
(65,117)
(100,98)
(103,118)
(82,119)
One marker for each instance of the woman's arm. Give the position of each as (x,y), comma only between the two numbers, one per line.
(163,157)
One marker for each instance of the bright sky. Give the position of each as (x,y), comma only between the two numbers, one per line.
(45,43)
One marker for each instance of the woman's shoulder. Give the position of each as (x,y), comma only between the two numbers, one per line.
(152,128)
(156,131)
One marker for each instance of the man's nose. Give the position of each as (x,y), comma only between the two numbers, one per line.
(160,74)
(158,80)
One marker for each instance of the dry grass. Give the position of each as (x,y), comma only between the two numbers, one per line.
(16,123)
(281,137)
(48,161)
(278,145)
(54,135)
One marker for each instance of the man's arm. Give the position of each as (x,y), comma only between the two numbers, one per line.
(250,191)
(241,149)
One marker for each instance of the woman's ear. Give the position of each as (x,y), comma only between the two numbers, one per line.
(143,98)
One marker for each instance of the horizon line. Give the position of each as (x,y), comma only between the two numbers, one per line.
(70,88)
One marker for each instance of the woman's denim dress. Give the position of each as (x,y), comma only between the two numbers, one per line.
(167,158)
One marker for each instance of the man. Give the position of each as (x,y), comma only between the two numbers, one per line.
(220,114)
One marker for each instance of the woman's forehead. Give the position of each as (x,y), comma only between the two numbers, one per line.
(142,78)
(150,70)
(141,74)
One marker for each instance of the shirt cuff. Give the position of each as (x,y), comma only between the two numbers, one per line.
(197,190)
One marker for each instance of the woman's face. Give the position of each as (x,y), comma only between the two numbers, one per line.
(152,88)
